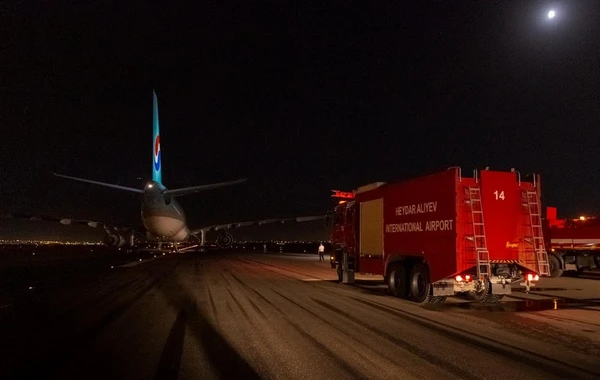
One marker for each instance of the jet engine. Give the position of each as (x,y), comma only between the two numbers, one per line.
(114,240)
(225,240)
(118,237)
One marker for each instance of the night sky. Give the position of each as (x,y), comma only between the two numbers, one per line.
(298,98)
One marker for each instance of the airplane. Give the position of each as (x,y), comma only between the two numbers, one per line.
(162,216)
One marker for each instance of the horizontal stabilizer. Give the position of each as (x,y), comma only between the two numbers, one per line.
(132,189)
(197,189)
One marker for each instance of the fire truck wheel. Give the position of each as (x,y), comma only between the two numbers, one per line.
(484,294)
(420,288)
(397,281)
(555,270)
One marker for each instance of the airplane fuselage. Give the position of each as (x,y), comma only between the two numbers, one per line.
(162,215)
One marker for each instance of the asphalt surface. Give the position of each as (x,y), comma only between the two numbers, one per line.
(249,315)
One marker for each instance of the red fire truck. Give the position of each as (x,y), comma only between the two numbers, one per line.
(443,235)
(572,244)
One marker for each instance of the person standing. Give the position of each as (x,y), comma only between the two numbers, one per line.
(321,252)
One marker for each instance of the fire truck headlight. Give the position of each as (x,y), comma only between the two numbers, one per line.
(458,278)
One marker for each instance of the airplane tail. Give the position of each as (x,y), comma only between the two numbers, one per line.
(156,166)
(157,161)
(156,154)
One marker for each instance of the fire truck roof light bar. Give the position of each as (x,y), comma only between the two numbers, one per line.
(342,194)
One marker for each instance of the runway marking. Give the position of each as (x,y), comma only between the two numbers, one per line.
(135,263)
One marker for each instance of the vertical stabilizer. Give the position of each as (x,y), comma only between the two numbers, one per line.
(156,153)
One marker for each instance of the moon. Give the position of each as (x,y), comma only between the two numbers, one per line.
(551,14)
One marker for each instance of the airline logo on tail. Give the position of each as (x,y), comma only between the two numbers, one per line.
(157,153)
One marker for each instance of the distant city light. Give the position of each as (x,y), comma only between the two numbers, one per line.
(551,14)
(45,242)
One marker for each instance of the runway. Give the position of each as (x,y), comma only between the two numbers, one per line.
(272,316)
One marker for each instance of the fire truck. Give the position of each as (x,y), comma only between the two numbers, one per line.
(443,235)
(572,244)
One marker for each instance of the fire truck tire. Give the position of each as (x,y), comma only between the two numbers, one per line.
(555,270)
(397,281)
(484,295)
(420,288)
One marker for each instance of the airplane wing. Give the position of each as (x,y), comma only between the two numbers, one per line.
(113,230)
(65,221)
(227,226)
